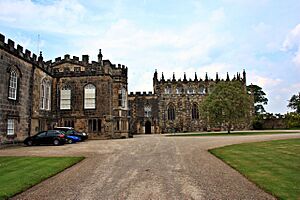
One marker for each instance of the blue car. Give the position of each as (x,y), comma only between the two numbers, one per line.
(72,139)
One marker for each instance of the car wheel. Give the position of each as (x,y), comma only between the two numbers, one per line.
(56,142)
(70,141)
(29,143)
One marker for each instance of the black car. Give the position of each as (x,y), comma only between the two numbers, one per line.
(71,131)
(54,137)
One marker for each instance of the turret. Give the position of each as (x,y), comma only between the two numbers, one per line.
(184,77)
(173,79)
(196,78)
(100,56)
(162,77)
(227,78)
(206,77)
(244,76)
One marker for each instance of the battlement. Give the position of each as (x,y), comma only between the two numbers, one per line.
(18,51)
(162,80)
(132,94)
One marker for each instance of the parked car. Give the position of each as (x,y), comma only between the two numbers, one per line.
(72,132)
(72,139)
(54,137)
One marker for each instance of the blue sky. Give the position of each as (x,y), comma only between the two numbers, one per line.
(262,37)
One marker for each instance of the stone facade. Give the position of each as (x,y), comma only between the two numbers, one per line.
(173,105)
(38,95)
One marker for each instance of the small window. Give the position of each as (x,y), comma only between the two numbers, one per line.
(89,97)
(10,127)
(178,90)
(147,110)
(167,90)
(190,91)
(13,84)
(65,98)
(94,125)
(202,90)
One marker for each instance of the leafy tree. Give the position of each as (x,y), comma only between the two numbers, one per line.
(260,98)
(294,103)
(227,105)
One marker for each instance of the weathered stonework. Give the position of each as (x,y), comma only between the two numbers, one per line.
(184,96)
(29,112)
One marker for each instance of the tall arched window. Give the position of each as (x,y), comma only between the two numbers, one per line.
(45,95)
(13,85)
(171,112)
(122,98)
(195,111)
(89,96)
(65,98)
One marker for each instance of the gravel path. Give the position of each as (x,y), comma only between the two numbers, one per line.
(146,167)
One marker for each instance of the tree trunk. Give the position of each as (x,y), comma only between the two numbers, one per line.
(229,128)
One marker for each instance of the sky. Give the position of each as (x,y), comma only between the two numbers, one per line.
(182,36)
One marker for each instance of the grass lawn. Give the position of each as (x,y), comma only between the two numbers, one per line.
(239,133)
(273,166)
(20,173)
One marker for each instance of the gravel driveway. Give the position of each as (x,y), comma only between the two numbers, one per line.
(145,167)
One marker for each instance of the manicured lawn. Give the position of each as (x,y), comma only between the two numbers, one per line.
(239,133)
(273,166)
(20,173)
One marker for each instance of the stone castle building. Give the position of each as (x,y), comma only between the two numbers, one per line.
(38,95)
(92,97)
(173,105)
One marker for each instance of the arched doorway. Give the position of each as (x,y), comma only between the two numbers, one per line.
(148,127)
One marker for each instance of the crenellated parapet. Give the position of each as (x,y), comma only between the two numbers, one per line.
(140,94)
(172,80)
(18,51)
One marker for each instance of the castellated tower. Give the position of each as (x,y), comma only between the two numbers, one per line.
(173,107)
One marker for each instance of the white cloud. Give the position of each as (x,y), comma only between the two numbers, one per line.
(292,43)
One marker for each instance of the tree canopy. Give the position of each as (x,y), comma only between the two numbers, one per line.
(227,105)
(260,98)
(294,103)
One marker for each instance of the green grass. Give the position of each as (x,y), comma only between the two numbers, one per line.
(20,173)
(230,134)
(274,166)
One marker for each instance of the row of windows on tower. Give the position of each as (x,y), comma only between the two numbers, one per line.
(201,91)
(172,116)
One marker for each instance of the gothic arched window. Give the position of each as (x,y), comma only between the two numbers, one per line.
(89,96)
(13,85)
(45,95)
(147,110)
(122,98)
(195,111)
(201,90)
(171,112)
(65,98)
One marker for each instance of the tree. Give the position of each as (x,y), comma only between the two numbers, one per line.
(260,98)
(294,103)
(227,105)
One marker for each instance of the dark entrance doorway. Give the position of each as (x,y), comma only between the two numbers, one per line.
(148,127)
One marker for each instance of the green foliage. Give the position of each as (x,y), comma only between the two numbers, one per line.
(260,98)
(227,105)
(274,165)
(292,120)
(294,103)
(20,173)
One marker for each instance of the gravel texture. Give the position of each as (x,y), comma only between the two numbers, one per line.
(145,167)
